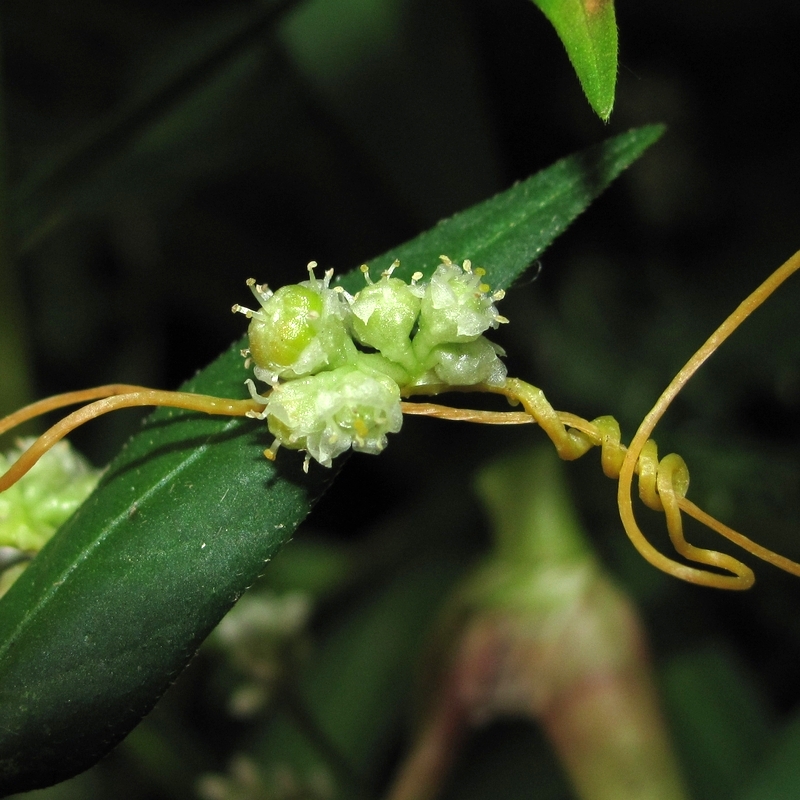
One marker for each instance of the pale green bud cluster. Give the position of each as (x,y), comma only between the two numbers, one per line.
(330,412)
(339,364)
(32,509)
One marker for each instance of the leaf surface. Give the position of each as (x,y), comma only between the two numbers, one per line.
(189,513)
(588,30)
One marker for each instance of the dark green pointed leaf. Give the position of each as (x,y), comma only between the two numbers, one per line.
(187,516)
(588,30)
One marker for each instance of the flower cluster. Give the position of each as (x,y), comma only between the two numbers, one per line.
(338,364)
(33,508)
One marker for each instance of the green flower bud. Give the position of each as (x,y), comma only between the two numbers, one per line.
(330,412)
(468,363)
(372,363)
(299,330)
(383,316)
(327,394)
(283,329)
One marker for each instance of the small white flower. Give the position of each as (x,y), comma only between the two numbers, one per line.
(330,412)
(456,307)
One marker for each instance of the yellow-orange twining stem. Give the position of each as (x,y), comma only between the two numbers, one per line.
(745,308)
(467,414)
(786,564)
(61,400)
(662,484)
(113,397)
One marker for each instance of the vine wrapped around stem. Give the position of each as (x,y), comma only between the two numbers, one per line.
(339,365)
(662,484)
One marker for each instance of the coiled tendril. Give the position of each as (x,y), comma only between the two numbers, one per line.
(338,366)
(662,484)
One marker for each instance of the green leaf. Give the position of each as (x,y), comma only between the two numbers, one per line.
(779,773)
(588,29)
(187,516)
(708,690)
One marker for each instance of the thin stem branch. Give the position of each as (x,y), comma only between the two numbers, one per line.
(113,397)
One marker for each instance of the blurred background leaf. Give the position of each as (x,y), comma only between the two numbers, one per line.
(707,690)
(15,389)
(779,774)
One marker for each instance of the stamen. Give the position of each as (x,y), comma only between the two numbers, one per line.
(237,309)
(387,273)
(340,290)
(261,292)
(251,387)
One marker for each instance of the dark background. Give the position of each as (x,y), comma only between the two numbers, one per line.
(156,157)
